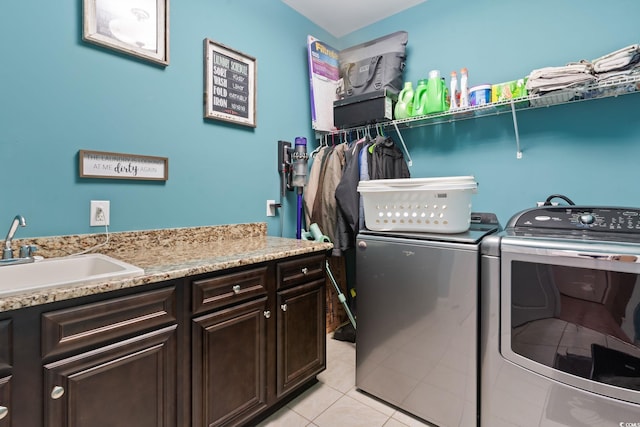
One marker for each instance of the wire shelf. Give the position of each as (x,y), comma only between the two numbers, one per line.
(612,87)
(605,89)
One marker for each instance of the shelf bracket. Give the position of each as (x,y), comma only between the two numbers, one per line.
(409,161)
(515,128)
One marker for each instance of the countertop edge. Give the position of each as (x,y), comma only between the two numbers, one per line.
(216,256)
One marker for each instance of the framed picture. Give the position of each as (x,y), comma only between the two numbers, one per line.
(135,27)
(103,164)
(229,85)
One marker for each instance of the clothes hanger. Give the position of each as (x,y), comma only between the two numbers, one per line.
(317,149)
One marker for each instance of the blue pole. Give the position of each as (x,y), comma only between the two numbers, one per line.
(299,220)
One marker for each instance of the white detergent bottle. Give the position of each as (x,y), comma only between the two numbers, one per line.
(452,91)
(464,89)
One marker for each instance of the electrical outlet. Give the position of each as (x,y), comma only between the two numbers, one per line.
(271,207)
(99,213)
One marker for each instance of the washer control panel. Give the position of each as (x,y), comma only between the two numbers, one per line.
(608,219)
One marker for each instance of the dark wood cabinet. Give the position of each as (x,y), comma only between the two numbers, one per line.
(229,364)
(218,349)
(261,337)
(121,363)
(127,384)
(5,401)
(301,346)
(301,335)
(6,347)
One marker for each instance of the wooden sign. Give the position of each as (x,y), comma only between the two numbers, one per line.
(101,164)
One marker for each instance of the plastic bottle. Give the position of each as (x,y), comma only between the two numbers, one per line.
(452,91)
(420,99)
(464,89)
(436,100)
(404,106)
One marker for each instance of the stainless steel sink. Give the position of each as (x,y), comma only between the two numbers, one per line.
(53,272)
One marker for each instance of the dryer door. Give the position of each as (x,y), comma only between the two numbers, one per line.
(572,313)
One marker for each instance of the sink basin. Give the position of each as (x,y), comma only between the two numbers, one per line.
(52,272)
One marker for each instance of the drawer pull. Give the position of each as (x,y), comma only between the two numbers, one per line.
(236,289)
(57,392)
(4,411)
(305,271)
(283,307)
(267,314)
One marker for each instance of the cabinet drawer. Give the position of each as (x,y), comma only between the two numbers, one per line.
(215,292)
(5,345)
(298,271)
(91,324)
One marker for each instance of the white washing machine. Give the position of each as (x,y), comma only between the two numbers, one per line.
(560,319)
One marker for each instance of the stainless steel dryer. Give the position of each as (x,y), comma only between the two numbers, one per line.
(560,319)
(416,343)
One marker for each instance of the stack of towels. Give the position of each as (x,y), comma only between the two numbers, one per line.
(576,76)
(621,63)
(554,78)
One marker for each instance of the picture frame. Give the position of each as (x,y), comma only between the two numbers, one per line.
(229,84)
(135,27)
(103,164)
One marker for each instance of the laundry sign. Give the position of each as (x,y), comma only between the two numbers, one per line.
(230,84)
(102,164)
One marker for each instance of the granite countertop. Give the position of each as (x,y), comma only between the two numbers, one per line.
(164,255)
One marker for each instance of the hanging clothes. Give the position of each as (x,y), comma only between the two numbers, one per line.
(313,182)
(348,198)
(324,211)
(387,160)
(331,199)
(364,176)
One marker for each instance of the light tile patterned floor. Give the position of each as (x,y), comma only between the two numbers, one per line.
(335,402)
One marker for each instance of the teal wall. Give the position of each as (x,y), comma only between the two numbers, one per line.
(59,95)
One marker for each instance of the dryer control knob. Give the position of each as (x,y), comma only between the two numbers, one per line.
(587,219)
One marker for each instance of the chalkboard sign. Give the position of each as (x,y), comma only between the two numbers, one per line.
(230,85)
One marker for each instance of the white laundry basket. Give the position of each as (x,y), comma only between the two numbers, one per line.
(434,205)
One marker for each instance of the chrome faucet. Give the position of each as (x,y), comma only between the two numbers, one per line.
(7,252)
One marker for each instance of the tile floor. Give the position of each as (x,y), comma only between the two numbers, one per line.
(334,401)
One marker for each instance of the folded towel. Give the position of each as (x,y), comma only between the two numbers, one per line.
(538,87)
(619,59)
(554,78)
(619,74)
(573,68)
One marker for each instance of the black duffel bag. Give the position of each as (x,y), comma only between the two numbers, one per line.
(374,65)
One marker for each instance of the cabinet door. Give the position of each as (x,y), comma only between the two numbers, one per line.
(301,346)
(131,383)
(229,364)
(6,345)
(5,402)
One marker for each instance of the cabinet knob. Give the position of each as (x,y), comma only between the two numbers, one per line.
(57,392)
(305,271)
(283,307)
(4,411)
(236,289)
(362,244)
(267,314)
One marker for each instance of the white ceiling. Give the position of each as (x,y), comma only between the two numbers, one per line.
(341,17)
